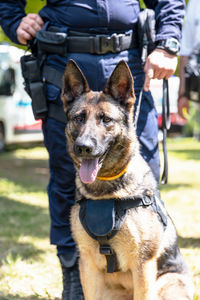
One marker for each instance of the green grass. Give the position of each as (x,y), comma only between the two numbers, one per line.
(29,268)
(182,198)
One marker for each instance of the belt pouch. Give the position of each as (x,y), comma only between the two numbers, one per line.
(52,42)
(34,85)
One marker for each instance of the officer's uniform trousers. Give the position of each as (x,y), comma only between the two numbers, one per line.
(61,188)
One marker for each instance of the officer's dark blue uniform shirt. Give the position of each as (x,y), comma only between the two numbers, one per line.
(104,15)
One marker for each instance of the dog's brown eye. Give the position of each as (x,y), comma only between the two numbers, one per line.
(106,119)
(79,118)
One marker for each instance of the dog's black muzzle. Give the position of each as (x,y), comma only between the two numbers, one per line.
(87,148)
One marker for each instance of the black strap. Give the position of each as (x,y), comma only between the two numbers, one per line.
(111,257)
(138,107)
(121,206)
(100,44)
(57,112)
(52,75)
(61,43)
(165,126)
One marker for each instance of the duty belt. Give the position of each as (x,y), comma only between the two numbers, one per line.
(61,43)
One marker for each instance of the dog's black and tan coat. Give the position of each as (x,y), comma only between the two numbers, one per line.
(103,145)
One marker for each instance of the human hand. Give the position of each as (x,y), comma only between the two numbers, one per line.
(183,107)
(28,27)
(160,65)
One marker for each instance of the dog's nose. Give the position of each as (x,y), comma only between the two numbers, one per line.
(83,149)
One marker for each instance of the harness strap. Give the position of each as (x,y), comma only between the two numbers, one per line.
(111,257)
(102,219)
(54,76)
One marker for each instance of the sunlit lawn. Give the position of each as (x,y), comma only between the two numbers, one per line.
(182,197)
(29,268)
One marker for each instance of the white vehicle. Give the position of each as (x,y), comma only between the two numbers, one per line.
(17,124)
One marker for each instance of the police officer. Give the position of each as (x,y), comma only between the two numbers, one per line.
(116,20)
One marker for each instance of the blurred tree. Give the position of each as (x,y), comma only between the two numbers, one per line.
(34,6)
(142,5)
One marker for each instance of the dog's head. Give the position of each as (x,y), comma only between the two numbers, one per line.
(99,124)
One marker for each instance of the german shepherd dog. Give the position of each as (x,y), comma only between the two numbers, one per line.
(102,142)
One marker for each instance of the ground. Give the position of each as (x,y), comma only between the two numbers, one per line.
(29,268)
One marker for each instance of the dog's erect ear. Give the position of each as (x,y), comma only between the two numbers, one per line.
(120,84)
(74,83)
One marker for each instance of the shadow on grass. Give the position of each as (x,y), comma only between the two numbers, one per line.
(189,242)
(184,154)
(17,297)
(30,174)
(26,145)
(172,186)
(19,220)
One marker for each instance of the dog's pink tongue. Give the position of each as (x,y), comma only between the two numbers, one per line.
(88,170)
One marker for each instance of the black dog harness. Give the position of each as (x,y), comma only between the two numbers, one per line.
(102,219)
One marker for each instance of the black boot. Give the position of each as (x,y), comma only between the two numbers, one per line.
(72,289)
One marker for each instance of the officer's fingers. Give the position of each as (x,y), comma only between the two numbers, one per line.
(157,73)
(31,26)
(36,18)
(162,71)
(148,77)
(162,74)
(165,74)
(28,29)
(23,36)
(169,74)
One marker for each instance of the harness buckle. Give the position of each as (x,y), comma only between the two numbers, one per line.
(102,44)
(147,200)
(106,250)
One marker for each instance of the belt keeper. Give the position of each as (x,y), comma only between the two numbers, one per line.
(106,250)
(91,42)
(97,44)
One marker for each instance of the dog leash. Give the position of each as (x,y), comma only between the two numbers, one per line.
(165,124)
(138,107)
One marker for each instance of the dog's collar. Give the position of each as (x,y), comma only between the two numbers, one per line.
(109,178)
